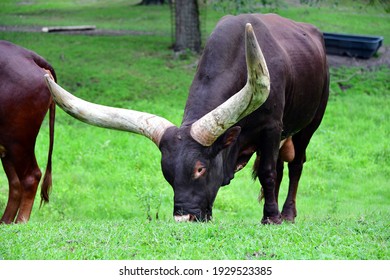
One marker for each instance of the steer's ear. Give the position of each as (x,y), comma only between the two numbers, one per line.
(231,136)
(227,139)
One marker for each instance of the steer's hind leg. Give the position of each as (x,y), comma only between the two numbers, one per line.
(295,167)
(14,193)
(29,181)
(24,175)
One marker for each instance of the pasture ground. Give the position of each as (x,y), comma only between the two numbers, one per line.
(110,200)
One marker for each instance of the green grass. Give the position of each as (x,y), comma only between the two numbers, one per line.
(369,21)
(343,16)
(137,239)
(107,183)
(118,14)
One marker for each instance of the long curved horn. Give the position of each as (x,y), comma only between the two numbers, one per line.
(149,125)
(212,125)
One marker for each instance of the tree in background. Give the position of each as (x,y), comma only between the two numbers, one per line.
(187,25)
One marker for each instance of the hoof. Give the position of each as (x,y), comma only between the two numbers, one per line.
(288,218)
(289,214)
(271,220)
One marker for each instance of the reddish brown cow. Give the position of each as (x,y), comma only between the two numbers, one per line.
(24,102)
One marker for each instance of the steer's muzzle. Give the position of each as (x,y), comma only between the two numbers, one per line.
(192,216)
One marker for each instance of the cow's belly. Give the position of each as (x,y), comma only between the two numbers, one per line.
(300,113)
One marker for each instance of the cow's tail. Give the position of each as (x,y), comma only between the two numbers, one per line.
(47,179)
(255,175)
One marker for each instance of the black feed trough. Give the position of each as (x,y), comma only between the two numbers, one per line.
(352,45)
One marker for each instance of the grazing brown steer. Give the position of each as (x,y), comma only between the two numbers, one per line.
(243,100)
(24,101)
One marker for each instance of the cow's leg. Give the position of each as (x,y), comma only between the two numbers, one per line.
(295,167)
(300,142)
(29,182)
(24,168)
(14,193)
(266,172)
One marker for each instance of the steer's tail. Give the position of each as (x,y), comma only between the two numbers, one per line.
(47,179)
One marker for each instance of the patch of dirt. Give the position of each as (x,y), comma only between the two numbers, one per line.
(381,58)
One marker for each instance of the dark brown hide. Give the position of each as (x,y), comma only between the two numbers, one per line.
(24,102)
(296,59)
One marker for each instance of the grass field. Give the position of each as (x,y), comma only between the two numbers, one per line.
(110,200)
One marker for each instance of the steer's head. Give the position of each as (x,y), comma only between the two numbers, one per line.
(195,171)
(193,154)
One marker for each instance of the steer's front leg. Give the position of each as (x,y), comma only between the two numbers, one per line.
(266,172)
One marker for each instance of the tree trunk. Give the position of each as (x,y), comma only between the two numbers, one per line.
(187,26)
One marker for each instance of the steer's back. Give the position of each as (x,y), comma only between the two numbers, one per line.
(296,60)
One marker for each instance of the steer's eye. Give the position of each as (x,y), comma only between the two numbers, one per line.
(199,170)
